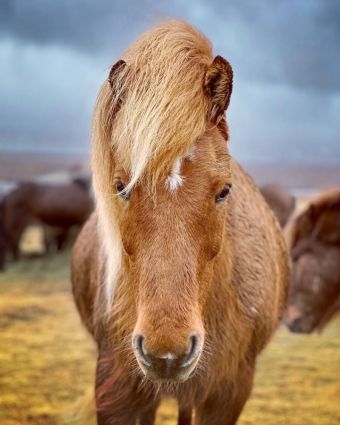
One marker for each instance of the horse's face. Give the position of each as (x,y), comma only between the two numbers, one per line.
(171,238)
(314,290)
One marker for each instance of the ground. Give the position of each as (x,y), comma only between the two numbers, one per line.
(47,360)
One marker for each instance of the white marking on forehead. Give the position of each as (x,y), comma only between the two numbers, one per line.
(254,310)
(175,179)
(190,155)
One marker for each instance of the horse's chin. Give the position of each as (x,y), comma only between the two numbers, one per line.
(178,378)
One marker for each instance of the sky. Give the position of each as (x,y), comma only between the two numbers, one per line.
(285,106)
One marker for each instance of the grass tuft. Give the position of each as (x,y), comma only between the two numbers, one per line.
(47,360)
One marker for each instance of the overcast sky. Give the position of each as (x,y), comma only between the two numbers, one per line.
(55,54)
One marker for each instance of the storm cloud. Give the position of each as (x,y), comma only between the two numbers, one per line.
(283,41)
(285,56)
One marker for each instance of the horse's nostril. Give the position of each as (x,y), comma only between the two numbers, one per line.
(176,364)
(138,342)
(295,326)
(196,340)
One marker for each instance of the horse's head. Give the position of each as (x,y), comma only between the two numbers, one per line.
(171,237)
(171,226)
(313,238)
(314,290)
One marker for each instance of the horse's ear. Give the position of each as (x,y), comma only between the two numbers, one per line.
(116,84)
(218,85)
(117,68)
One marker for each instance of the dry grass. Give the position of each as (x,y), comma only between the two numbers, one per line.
(297,381)
(47,360)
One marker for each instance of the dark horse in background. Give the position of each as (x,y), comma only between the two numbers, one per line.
(313,237)
(59,206)
(2,239)
(181,274)
(6,187)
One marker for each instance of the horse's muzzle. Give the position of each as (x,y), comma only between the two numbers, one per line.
(295,326)
(168,366)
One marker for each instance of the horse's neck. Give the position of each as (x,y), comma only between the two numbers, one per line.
(333,309)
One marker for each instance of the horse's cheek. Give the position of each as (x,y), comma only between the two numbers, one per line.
(127,225)
(205,282)
(216,235)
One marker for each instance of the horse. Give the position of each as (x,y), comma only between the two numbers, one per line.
(313,237)
(2,239)
(280,201)
(181,273)
(6,187)
(59,206)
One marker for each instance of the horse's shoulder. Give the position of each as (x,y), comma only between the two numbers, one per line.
(260,256)
(249,211)
(86,268)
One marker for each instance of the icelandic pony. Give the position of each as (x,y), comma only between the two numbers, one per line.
(2,239)
(313,237)
(180,282)
(6,187)
(59,206)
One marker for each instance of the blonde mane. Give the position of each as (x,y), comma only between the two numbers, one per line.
(151,117)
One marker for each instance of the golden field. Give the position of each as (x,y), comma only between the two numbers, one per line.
(47,360)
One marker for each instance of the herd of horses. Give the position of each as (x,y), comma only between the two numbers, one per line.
(57,207)
(181,274)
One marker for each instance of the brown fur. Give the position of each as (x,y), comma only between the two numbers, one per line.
(184,264)
(57,206)
(280,201)
(313,237)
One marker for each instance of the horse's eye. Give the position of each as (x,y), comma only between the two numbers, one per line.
(120,186)
(223,195)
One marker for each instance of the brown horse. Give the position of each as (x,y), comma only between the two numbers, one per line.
(180,287)
(280,201)
(59,206)
(2,239)
(313,236)
(6,187)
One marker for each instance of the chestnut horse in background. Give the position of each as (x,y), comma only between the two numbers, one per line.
(180,282)
(313,237)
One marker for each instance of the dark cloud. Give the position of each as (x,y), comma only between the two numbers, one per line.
(292,42)
(285,106)
(93,26)
(287,42)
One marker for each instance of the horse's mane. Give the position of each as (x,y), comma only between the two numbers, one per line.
(154,112)
(163,104)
